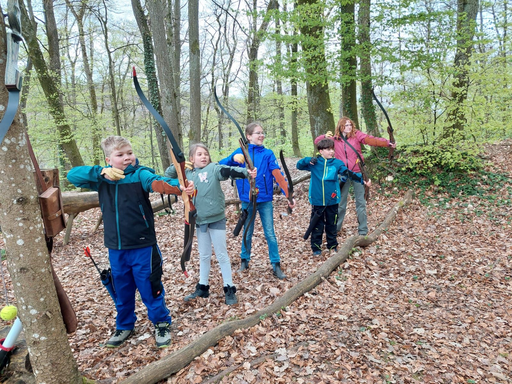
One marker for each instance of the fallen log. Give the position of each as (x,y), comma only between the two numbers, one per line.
(76,202)
(170,364)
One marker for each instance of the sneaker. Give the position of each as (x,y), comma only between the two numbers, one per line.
(230,295)
(317,253)
(119,337)
(163,334)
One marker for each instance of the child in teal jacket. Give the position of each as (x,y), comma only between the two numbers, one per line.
(324,193)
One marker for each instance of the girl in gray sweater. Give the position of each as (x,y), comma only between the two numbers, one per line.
(209,201)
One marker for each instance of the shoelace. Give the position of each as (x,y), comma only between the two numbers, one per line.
(162,330)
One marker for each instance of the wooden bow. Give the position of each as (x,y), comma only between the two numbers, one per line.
(178,159)
(390,128)
(244,146)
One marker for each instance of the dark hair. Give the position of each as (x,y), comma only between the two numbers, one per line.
(325,144)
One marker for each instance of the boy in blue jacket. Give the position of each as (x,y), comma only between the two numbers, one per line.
(129,234)
(324,193)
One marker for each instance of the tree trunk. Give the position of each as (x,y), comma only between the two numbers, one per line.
(294,93)
(321,118)
(348,62)
(279,86)
(367,106)
(195,71)
(166,69)
(97,154)
(166,366)
(50,88)
(150,69)
(103,19)
(27,256)
(253,88)
(466,17)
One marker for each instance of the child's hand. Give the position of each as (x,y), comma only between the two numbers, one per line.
(190,189)
(368,183)
(239,158)
(112,174)
(392,145)
(291,204)
(252,173)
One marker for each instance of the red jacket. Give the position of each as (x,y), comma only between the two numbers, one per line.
(346,154)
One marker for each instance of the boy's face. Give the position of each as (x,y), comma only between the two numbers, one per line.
(201,158)
(327,153)
(122,157)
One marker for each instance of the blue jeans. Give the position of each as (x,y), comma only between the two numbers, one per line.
(266,211)
(362,220)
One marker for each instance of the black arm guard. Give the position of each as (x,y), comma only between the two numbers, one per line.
(230,172)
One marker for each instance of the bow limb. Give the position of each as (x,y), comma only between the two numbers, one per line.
(13,79)
(290,181)
(390,127)
(244,146)
(178,159)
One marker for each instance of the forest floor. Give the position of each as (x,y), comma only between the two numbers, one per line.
(429,302)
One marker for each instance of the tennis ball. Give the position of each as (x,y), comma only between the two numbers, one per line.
(8,312)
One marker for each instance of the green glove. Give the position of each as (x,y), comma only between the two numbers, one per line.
(112,173)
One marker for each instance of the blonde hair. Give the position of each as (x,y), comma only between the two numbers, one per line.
(340,127)
(112,143)
(193,149)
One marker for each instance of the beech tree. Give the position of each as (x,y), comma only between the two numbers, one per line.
(50,86)
(27,255)
(311,26)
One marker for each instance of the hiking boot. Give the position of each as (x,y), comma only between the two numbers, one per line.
(230,295)
(201,291)
(244,264)
(317,253)
(163,334)
(276,268)
(119,337)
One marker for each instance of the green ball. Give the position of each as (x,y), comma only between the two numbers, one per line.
(8,312)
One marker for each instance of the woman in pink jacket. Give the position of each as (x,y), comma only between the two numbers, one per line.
(347,148)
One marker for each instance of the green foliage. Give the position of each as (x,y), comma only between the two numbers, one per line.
(429,159)
(451,173)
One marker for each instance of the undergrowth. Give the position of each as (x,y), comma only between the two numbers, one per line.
(441,175)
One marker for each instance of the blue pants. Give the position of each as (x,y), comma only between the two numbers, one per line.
(266,211)
(131,270)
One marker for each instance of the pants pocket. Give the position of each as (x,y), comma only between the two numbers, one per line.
(156,282)
(155,278)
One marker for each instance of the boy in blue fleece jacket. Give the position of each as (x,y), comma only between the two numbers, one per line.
(324,193)
(129,234)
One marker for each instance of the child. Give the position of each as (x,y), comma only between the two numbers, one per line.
(347,148)
(265,160)
(129,234)
(324,193)
(211,218)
